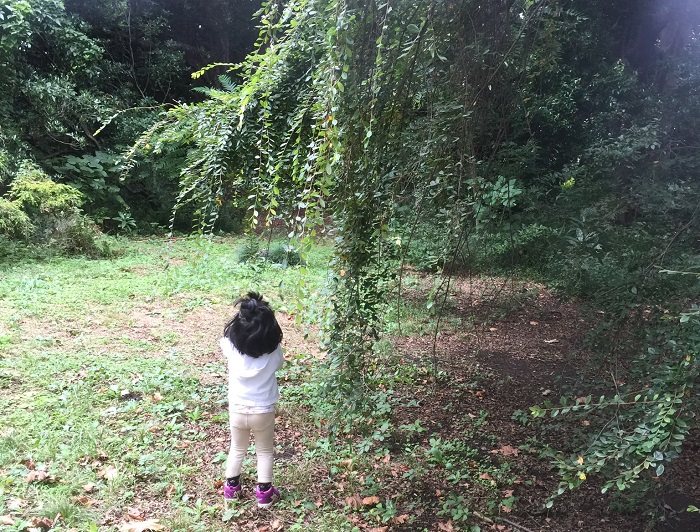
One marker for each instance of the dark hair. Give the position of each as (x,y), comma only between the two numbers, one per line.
(254,330)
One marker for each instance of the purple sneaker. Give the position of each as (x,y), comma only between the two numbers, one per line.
(232,492)
(267,498)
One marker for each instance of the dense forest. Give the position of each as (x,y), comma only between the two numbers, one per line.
(553,140)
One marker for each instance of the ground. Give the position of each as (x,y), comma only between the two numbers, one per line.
(527,354)
(140,370)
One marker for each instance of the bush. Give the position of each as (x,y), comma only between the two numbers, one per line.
(76,235)
(248,250)
(284,254)
(38,196)
(50,212)
(13,222)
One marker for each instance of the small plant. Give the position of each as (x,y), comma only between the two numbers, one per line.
(37,195)
(248,250)
(285,255)
(125,222)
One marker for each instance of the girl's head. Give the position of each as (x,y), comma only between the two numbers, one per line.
(254,330)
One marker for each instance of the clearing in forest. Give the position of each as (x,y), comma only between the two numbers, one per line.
(114,417)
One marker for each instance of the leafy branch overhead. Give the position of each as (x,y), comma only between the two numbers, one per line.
(508,134)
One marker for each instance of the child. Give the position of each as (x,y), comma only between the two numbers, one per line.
(251,343)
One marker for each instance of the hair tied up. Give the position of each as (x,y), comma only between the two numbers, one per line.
(254,330)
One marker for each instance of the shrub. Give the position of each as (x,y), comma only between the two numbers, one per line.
(76,235)
(248,250)
(38,196)
(50,212)
(284,254)
(13,222)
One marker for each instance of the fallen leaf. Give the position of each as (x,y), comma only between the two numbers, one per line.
(135,513)
(141,526)
(507,493)
(86,501)
(368,501)
(534,323)
(547,392)
(125,392)
(492,329)
(353,501)
(507,450)
(379,529)
(89,487)
(44,523)
(485,476)
(585,422)
(7,520)
(108,473)
(157,397)
(171,490)
(505,509)
(264,528)
(36,476)
(447,527)
(277,525)
(580,460)
(16,504)
(400,519)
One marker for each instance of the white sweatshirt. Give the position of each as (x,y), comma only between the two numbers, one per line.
(252,381)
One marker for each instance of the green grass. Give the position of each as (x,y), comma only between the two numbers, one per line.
(113,396)
(97,385)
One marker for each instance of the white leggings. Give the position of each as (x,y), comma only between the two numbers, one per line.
(263,428)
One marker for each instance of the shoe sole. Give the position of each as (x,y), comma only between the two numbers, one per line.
(266,505)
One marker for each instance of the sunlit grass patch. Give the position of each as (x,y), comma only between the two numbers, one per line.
(115,395)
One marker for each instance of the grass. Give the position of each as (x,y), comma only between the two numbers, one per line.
(113,399)
(97,383)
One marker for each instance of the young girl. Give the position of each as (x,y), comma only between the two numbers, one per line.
(251,343)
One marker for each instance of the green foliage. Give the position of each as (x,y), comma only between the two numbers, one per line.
(467,135)
(50,213)
(284,254)
(35,193)
(14,223)
(96,176)
(248,250)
